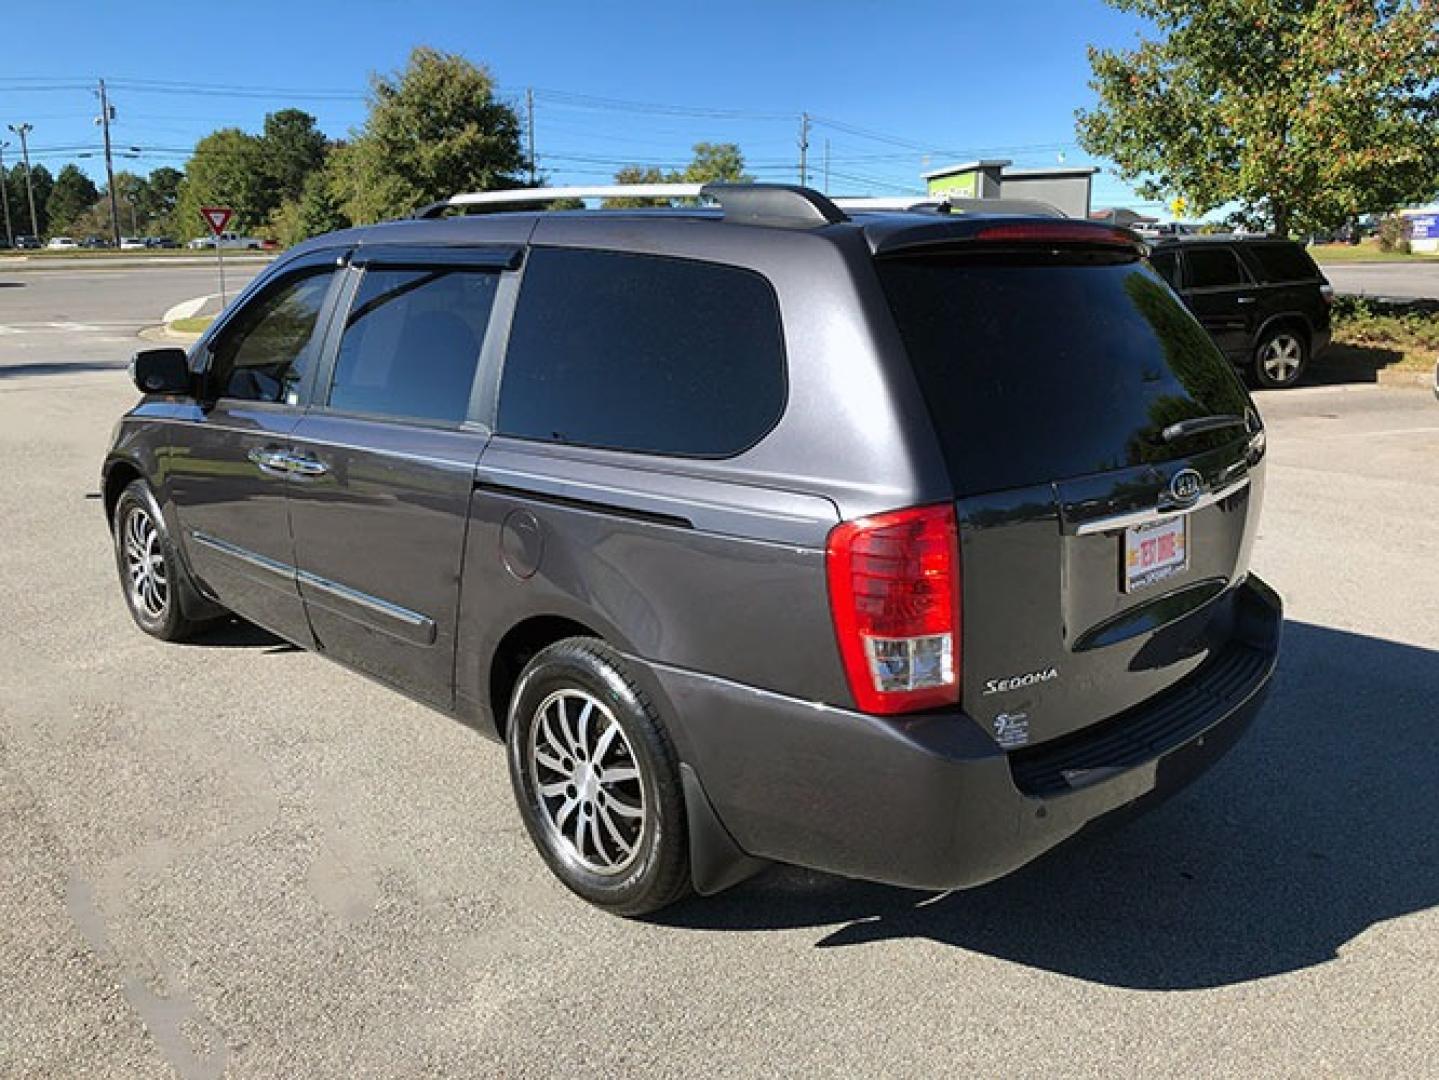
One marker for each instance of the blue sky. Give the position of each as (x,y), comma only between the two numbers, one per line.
(896,88)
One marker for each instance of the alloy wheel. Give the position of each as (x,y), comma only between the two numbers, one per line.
(145,564)
(588,782)
(1281,357)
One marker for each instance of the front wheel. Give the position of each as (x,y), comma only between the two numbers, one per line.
(151,573)
(597,780)
(1280,359)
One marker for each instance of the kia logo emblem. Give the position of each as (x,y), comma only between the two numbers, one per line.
(1185,486)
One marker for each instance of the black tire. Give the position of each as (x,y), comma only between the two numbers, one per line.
(560,681)
(1281,357)
(136,513)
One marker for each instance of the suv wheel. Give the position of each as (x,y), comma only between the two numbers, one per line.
(597,780)
(1280,358)
(150,573)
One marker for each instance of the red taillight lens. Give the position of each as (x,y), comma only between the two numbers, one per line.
(1057,232)
(894,593)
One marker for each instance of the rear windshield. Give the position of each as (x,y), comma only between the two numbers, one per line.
(1040,372)
(1283,262)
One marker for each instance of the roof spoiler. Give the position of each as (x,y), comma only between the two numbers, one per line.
(946,205)
(777,205)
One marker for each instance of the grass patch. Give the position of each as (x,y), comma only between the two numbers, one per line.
(1366,251)
(1408,331)
(196,324)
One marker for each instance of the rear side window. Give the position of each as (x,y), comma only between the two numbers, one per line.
(1211,267)
(412,343)
(1282,262)
(1035,372)
(638,352)
(1166,265)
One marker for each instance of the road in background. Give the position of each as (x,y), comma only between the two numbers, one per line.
(60,318)
(236,858)
(1416,280)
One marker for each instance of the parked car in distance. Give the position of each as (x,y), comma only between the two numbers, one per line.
(1263,300)
(760,533)
(62,243)
(28,243)
(1157,229)
(162,242)
(133,243)
(227,241)
(94,243)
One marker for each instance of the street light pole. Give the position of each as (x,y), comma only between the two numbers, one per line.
(24,130)
(5,195)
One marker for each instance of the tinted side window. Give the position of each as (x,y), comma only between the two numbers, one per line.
(412,342)
(1211,267)
(1166,265)
(1282,262)
(637,352)
(266,352)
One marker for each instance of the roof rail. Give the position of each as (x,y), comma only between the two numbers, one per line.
(783,205)
(943,204)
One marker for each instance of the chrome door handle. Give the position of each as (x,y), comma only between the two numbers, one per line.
(276,462)
(305,465)
(1244,300)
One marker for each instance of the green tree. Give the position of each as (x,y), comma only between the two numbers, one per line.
(132,193)
(316,211)
(42,183)
(712,162)
(73,194)
(433,130)
(294,150)
(227,168)
(1305,113)
(163,187)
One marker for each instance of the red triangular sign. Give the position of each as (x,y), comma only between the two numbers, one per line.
(217,217)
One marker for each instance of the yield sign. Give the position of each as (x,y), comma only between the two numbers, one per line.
(217,217)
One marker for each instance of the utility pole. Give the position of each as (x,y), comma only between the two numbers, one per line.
(530,129)
(23,130)
(826,166)
(803,148)
(5,195)
(107,113)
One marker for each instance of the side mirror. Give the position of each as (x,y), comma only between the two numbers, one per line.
(162,371)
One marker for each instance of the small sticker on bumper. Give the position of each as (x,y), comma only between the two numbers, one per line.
(1011,729)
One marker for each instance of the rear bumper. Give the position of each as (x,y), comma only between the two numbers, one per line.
(931,801)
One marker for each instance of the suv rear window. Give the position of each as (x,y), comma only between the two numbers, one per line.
(1035,372)
(1282,262)
(639,352)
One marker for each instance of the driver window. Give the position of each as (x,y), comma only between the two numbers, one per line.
(265,354)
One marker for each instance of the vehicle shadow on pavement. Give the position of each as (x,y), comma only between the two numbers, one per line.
(1341,364)
(60,367)
(1318,826)
(235,633)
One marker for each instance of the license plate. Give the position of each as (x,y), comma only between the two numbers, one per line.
(1154,551)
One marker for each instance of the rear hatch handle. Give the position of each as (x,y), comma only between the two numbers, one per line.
(1159,513)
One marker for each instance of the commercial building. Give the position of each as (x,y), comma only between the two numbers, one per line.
(1066,189)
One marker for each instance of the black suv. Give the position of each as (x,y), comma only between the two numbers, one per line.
(1263,301)
(898,545)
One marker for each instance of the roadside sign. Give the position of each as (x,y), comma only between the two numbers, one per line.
(217,217)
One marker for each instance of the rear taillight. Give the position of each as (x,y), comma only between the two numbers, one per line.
(894,591)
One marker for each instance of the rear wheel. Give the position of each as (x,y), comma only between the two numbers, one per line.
(151,574)
(597,779)
(1280,358)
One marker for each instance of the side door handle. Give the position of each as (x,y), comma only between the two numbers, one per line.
(271,461)
(1244,300)
(305,465)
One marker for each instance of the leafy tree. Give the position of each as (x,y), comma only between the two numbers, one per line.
(163,186)
(434,129)
(132,194)
(42,182)
(294,150)
(1304,112)
(227,168)
(73,194)
(316,211)
(712,162)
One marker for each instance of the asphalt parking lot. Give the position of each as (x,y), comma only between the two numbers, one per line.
(235,859)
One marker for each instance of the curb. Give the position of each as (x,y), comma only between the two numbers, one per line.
(164,333)
(1405,379)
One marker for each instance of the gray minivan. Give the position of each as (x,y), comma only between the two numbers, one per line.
(900,545)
